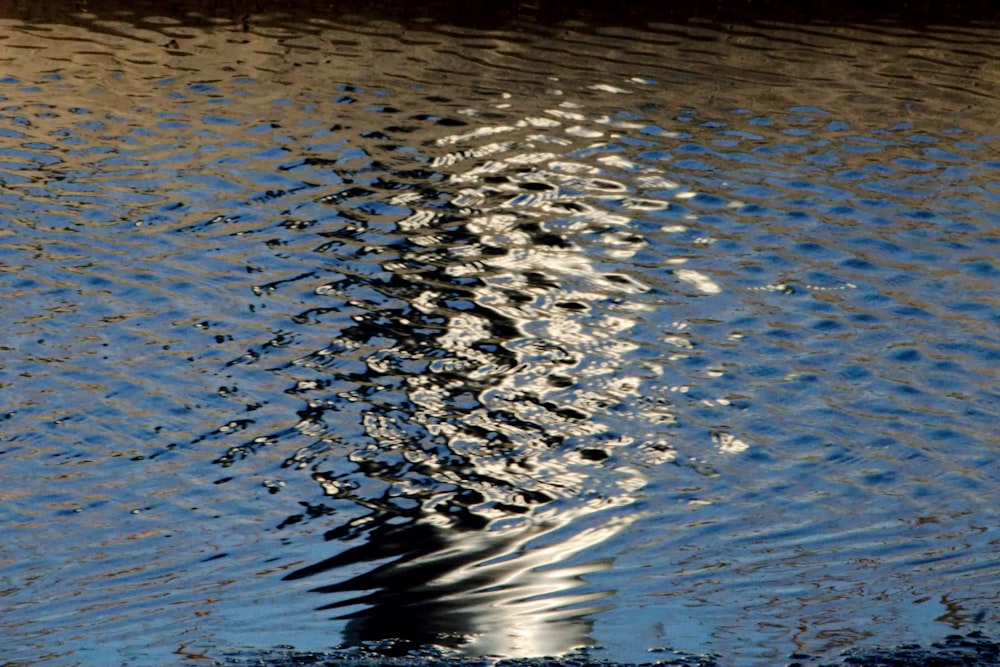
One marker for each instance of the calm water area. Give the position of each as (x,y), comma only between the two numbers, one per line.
(504,335)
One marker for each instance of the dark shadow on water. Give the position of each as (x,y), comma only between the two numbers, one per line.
(478,593)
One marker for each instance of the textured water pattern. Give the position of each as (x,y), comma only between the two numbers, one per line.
(320,330)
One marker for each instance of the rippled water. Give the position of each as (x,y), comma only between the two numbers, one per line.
(329,329)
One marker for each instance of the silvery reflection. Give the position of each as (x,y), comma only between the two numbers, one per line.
(491,367)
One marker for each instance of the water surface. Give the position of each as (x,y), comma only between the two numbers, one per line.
(335,329)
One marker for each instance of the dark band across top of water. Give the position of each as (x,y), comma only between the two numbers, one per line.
(483,13)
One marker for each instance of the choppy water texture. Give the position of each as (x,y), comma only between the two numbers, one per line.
(330,329)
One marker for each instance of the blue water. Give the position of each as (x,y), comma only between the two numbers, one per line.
(337,331)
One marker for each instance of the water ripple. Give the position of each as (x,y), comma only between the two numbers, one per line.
(637,335)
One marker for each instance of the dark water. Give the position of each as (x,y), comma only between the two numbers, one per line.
(329,329)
